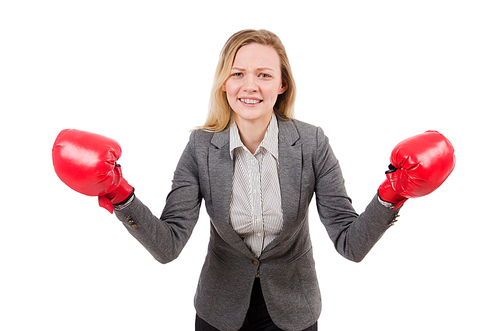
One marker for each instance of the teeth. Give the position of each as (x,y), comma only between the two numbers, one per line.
(253,101)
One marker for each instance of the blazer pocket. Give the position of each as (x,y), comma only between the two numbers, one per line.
(298,256)
(216,254)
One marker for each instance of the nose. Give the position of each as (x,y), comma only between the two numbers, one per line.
(250,84)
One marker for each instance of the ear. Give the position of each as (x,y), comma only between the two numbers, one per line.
(284,87)
(224,88)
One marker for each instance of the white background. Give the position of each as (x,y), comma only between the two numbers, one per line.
(370,73)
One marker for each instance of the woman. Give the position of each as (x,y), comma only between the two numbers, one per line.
(257,170)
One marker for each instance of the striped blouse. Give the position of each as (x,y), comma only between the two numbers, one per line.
(255,209)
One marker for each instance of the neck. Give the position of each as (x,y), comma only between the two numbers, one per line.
(252,133)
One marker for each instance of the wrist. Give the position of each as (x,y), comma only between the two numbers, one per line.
(125,203)
(386,204)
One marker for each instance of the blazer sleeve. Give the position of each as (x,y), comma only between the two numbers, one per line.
(165,237)
(353,235)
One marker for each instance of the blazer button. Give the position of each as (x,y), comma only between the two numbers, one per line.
(255,263)
(131,222)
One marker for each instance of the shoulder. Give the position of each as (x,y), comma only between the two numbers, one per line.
(200,140)
(201,136)
(307,133)
(304,127)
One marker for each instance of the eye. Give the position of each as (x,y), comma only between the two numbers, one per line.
(265,75)
(237,74)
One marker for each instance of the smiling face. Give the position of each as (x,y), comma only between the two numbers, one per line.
(254,84)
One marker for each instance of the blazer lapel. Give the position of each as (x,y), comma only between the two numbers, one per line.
(221,179)
(290,174)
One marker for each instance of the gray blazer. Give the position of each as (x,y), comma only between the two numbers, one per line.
(307,166)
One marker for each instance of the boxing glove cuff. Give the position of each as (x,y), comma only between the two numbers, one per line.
(387,194)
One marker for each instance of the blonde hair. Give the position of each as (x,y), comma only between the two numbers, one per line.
(220,113)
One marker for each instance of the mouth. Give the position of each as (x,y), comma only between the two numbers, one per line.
(249,101)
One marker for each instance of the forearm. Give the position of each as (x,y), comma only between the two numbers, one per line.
(360,234)
(164,239)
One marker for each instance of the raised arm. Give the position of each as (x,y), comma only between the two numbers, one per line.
(86,162)
(418,166)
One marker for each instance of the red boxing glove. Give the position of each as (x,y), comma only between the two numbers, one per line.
(419,165)
(86,162)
